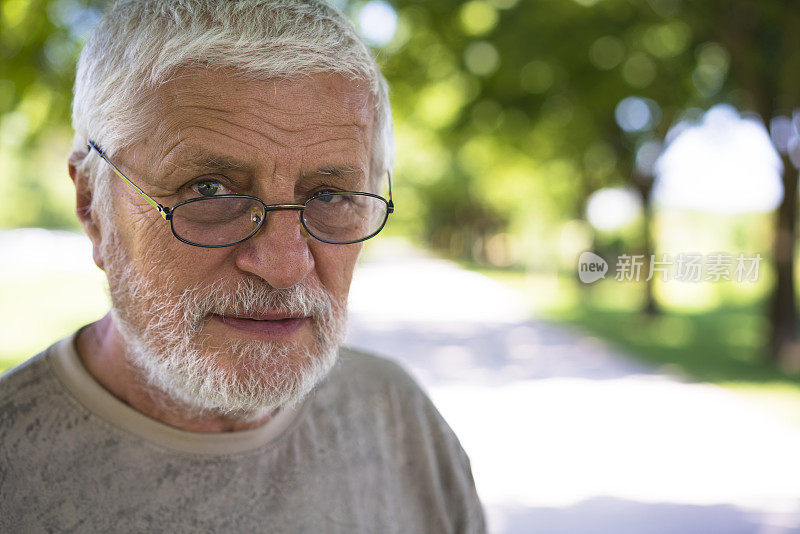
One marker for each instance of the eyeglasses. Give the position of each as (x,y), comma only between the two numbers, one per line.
(334,217)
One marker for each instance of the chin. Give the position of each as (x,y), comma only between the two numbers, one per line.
(243,378)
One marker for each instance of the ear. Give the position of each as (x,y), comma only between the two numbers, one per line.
(83,208)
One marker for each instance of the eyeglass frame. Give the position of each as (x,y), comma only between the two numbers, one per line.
(166,211)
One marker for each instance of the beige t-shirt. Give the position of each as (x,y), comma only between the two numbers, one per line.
(366,452)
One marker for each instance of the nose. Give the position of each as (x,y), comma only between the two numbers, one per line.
(279,252)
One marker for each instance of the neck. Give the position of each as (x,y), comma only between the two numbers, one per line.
(102,350)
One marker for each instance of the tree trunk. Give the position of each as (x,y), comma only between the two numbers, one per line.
(650,304)
(783,344)
(644,186)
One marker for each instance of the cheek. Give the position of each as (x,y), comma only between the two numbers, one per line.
(156,250)
(141,230)
(193,266)
(334,265)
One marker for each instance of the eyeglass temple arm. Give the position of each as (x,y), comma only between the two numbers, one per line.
(163,210)
(391,204)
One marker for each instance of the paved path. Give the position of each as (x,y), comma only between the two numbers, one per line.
(565,434)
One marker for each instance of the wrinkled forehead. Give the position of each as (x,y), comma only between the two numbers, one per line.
(296,112)
(343,95)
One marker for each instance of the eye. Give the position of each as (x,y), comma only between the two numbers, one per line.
(328,196)
(209,188)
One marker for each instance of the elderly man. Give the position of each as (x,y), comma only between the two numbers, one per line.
(229,160)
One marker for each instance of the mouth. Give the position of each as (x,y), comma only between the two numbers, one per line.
(270,325)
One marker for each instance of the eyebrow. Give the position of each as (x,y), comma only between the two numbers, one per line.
(208,160)
(198,158)
(340,171)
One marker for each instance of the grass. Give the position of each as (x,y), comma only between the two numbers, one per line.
(37,309)
(717,337)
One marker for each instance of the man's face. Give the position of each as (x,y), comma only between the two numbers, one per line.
(257,324)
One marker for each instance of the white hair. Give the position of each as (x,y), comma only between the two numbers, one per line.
(140,44)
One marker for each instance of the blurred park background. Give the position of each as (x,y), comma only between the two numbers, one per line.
(527,132)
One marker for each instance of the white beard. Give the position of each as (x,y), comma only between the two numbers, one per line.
(240,378)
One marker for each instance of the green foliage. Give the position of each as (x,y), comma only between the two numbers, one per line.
(523,95)
(504,109)
(39,44)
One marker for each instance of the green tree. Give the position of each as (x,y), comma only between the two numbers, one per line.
(39,44)
(505,109)
(764,43)
(541,80)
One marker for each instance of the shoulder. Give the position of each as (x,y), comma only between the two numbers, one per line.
(32,399)
(374,384)
(26,381)
(372,371)
(375,395)
(377,401)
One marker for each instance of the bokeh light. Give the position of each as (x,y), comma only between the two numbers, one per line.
(636,114)
(612,208)
(607,52)
(377,22)
(783,133)
(481,58)
(724,164)
(478,17)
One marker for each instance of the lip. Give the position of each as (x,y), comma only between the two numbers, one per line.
(271,325)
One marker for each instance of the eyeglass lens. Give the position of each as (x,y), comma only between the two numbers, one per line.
(335,218)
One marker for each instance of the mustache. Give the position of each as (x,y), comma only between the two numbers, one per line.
(252,297)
